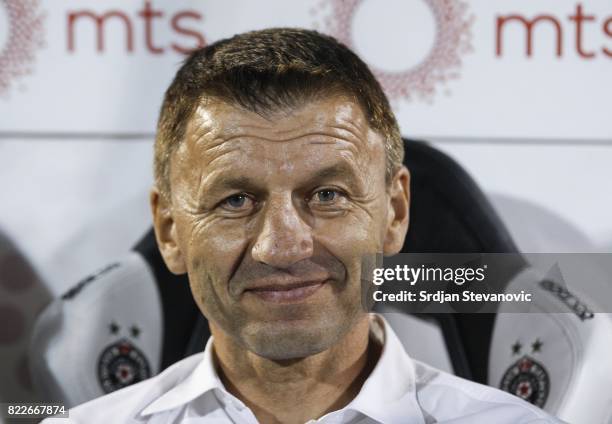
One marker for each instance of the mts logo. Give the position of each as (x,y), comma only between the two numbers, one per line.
(140,28)
(578,23)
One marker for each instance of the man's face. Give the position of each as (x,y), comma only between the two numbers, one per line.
(272,216)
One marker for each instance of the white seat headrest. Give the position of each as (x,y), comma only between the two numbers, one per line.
(557,352)
(102,335)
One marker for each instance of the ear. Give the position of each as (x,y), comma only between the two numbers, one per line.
(165,233)
(398,215)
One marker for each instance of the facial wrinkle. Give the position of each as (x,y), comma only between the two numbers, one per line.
(341,125)
(348,128)
(220,155)
(333,137)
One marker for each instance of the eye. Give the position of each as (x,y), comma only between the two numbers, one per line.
(325,196)
(237,203)
(328,199)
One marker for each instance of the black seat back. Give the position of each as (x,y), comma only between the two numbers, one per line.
(450,214)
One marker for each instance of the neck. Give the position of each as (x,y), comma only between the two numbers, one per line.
(297,390)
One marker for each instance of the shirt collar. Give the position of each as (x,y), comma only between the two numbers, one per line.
(201,380)
(389,391)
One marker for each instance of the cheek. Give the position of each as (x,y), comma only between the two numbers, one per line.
(213,253)
(349,234)
(353,238)
(212,249)
(224,241)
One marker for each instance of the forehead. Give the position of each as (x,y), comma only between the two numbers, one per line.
(222,135)
(226,121)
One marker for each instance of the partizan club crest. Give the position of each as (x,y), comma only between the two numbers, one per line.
(528,380)
(122,364)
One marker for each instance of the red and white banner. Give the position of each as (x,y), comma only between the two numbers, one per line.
(485,69)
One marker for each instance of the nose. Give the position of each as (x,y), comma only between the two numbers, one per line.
(285,238)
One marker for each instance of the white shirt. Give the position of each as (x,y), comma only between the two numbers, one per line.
(399,390)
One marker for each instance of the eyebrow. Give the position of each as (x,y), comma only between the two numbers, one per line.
(228,182)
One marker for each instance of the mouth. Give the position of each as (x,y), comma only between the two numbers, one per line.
(287,293)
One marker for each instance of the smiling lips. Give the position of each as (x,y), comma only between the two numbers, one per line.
(287,293)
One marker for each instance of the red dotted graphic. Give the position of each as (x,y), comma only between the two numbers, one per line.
(25,38)
(443,62)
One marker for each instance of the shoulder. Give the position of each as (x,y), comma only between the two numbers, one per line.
(125,405)
(445,396)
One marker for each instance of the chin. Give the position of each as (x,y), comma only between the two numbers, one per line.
(296,339)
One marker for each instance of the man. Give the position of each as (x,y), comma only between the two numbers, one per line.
(278,175)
